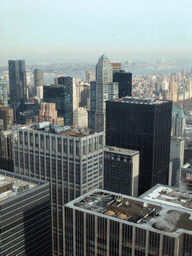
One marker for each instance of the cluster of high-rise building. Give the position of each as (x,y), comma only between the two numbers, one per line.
(78,156)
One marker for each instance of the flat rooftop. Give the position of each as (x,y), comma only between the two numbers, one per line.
(12,186)
(122,151)
(60,130)
(138,212)
(138,100)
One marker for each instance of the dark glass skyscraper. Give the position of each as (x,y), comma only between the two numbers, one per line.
(143,125)
(17,81)
(60,95)
(92,105)
(125,82)
(69,83)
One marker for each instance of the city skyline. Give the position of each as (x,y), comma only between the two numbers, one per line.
(82,31)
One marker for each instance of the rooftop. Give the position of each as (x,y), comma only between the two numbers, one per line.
(122,151)
(104,56)
(178,112)
(57,129)
(137,100)
(143,213)
(12,184)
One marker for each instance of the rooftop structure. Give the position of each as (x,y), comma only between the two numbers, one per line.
(127,226)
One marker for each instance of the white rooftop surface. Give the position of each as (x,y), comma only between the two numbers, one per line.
(161,198)
(16,184)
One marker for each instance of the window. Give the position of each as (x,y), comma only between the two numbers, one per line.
(53,144)
(84,147)
(36,140)
(42,141)
(59,144)
(65,145)
(26,138)
(77,148)
(21,137)
(71,147)
(47,143)
(31,139)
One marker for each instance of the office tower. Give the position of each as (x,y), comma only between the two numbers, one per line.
(40,92)
(3,92)
(25,215)
(6,148)
(143,125)
(69,82)
(6,114)
(70,160)
(178,122)
(90,76)
(38,78)
(17,82)
(104,84)
(80,118)
(91,114)
(177,159)
(116,66)
(121,170)
(48,112)
(173,88)
(107,223)
(125,82)
(60,95)
(83,94)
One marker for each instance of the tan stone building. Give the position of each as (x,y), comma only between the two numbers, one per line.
(48,112)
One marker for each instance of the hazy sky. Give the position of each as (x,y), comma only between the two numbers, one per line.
(82,30)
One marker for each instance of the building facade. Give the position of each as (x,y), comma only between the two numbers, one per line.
(70,160)
(69,82)
(178,122)
(177,159)
(25,215)
(125,82)
(91,114)
(143,125)
(6,150)
(60,95)
(107,223)
(3,92)
(121,170)
(48,112)
(80,118)
(38,77)
(6,114)
(17,82)
(104,84)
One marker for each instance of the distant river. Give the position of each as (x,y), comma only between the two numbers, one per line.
(49,79)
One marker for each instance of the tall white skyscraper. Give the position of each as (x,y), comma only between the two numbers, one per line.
(105,90)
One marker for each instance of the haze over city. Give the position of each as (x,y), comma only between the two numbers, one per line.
(79,31)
